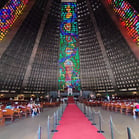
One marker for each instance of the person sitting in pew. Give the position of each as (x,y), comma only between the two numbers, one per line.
(9,106)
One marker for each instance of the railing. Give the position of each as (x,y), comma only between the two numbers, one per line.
(53,121)
(91,114)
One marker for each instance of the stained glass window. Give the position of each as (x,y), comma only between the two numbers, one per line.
(69,64)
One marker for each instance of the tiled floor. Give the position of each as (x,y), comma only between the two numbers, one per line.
(26,128)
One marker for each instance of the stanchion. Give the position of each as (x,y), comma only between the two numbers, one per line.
(65,107)
(62,108)
(39,132)
(100,131)
(129,133)
(79,106)
(61,111)
(89,116)
(57,118)
(54,124)
(93,118)
(87,111)
(112,137)
(48,127)
(84,109)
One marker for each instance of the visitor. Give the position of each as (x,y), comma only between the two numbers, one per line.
(34,110)
(9,106)
(136,109)
(38,106)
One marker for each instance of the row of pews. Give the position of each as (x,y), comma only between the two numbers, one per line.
(13,114)
(51,104)
(17,112)
(124,107)
(22,111)
(93,103)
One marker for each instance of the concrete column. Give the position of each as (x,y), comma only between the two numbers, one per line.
(36,44)
(100,41)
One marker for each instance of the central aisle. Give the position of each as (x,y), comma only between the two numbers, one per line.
(74,125)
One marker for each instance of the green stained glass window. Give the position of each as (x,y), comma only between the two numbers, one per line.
(69,64)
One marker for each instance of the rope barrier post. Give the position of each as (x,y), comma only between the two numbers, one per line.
(100,131)
(48,127)
(39,132)
(93,118)
(63,108)
(57,118)
(77,104)
(80,106)
(88,111)
(60,112)
(90,117)
(129,133)
(54,124)
(112,136)
(84,109)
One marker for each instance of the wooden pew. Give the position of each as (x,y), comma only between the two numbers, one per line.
(2,119)
(8,114)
